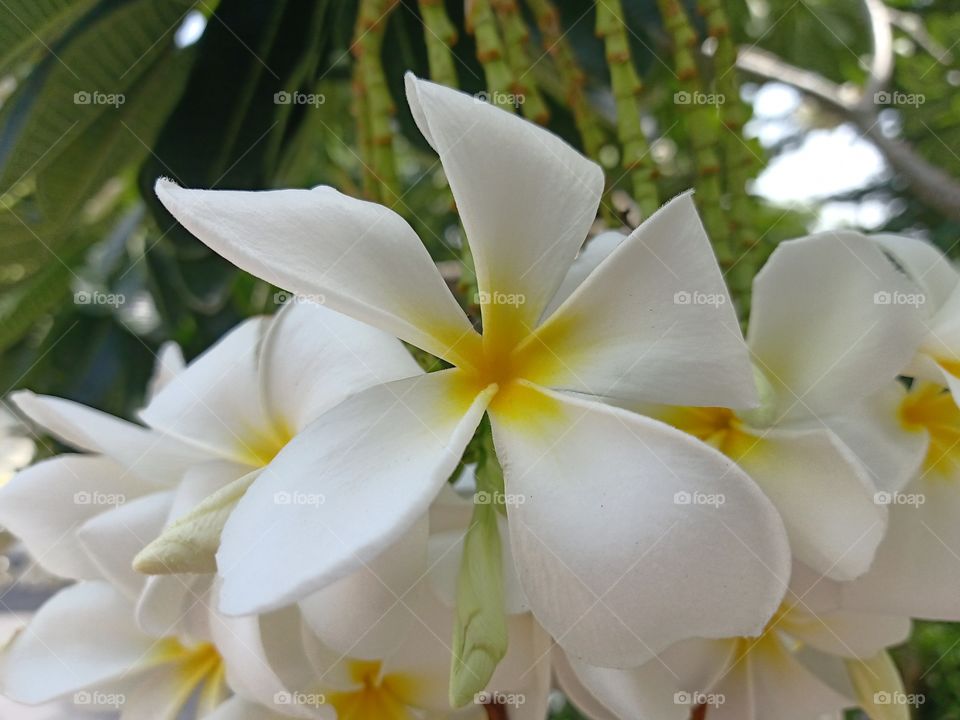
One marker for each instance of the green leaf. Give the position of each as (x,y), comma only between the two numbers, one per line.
(114,142)
(87,75)
(29,25)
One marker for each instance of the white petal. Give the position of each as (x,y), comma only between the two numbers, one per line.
(591,478)
(923,263)
(215,402)
(830,322)
(170,363)
(265,660)
(845,633)
(314,357)
(824,495)
(356,257)
(875,433)
(163,693)
(643,693)
(653,323)
(526,199)
(346,487)
(592,254)
(917,569)
(365,614)
(113,538)
(573,688)
(174,605)
(770,683)
(236,708)
(83,636)
(151,456)
(46,504)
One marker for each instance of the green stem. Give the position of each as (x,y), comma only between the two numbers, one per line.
(482,24)
(516,35)
(441,35)
(626,86)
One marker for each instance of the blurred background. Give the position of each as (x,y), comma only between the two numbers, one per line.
(787,116)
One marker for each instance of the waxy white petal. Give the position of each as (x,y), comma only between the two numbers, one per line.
(46,504)
(831,322)
(65,648)
(824,495)
(314,357)
(525,197)
(345,488)
(602,524)
(653,323)
(356,257)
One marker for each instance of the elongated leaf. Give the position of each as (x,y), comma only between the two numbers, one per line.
(30,25)
(88,74)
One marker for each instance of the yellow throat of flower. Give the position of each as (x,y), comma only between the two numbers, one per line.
(931,408)
(198,668)
(378,697)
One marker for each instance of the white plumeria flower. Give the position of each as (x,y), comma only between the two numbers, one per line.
(213,427)
(84,646)
(813,660)
(599,537)
(822,341)
(917,567)
(936,291)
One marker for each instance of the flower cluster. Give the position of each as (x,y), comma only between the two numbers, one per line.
(605,486)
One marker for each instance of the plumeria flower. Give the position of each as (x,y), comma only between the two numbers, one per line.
(599,538)
(823,340)
(813,660)
(917,567)
(84,645)
(213,427)
(936,291)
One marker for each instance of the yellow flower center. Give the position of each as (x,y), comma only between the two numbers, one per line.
(718,427)
(931,408)
(198,667)
(379,697)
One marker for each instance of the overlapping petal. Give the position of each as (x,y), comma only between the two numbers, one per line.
(602,525)
(356,257)
(653,323)
(526,199)
(346,488)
